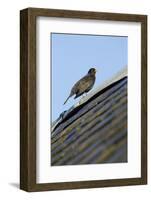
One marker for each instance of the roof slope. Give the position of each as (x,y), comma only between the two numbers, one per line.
(116,77)
(94,132)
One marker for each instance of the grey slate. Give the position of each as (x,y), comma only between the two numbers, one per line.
(94,132)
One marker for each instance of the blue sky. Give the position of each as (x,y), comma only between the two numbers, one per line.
(72,55)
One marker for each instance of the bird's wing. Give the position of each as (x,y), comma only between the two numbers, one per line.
(83,84)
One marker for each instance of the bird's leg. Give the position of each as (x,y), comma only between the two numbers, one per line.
(80,101)
(84,95)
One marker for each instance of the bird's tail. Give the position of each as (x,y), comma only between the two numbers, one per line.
(67,99)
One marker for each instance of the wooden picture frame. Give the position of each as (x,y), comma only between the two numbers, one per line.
(28,98)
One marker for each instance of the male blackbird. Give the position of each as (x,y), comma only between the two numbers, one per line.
(84,85)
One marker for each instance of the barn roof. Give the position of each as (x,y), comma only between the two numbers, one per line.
(94,130)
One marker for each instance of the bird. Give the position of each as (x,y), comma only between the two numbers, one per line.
(84,85)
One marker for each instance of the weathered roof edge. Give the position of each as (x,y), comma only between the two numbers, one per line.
(118,76)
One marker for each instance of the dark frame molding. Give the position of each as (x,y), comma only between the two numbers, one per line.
(28,98)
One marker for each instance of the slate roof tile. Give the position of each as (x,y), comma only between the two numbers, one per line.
(94,132)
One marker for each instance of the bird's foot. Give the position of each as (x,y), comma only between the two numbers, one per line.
(84,95)
(80,102)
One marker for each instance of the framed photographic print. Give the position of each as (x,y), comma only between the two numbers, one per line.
(83,99)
